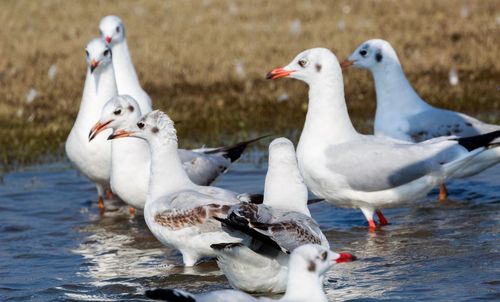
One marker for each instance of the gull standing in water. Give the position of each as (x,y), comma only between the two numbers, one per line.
(130,157)
(367,172)
(93,159)
(277,227)
(112,30)
(178,212)
(403,115)
(308,264)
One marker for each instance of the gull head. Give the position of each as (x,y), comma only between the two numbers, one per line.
(154,127)
(120,111)
(281,150)
(112,30)
(309,66)
(371,55)
(316,259)
(98,55)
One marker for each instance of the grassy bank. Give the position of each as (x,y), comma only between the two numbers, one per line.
(204,61)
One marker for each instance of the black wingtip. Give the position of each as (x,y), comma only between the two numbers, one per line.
(233,152)
(473,142)
(169,295)
(223,246)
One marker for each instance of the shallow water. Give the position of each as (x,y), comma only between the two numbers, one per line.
(57,247)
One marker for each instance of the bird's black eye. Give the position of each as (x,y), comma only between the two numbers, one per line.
(118,29)
(100,33)
(140,125)
(324,255)
(303,63)
(87,53)
(117,112)
(106,52)
(363,53)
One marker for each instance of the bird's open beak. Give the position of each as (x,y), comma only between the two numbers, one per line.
(93,65)
(108,39)
(345,257)
(278,73)
(98,127)
(120,133)
(346,64)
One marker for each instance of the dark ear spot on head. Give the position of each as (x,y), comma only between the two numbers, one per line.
(378,57)
(154,129)
(312,266)
(131,108)
(318,67)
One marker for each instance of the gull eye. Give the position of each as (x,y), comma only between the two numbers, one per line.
(363,53)
(303,63)
(118,29)
(324,255)
(87,53)
(117,112)
(100,33)
(140,125)
(106,52)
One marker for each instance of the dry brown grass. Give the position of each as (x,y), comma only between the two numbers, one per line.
(186,52)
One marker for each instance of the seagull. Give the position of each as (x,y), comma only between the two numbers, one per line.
(112,30)
(130,157)
(178,212)
(368,172)
(277,227)
(403,115)
(308,263)
(93,159)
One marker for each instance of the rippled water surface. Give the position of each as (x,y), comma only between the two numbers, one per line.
(55,246)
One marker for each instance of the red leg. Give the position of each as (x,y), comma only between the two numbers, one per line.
(381,218)
(131,211)
(371,225)
(109,194)
(443,193)
(100,204)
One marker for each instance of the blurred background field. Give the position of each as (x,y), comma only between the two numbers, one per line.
(204,62)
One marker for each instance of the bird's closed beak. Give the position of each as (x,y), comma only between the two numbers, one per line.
(345,257)
(98,127)
(108,39)
(277,73)
(346,64)
(93,65)
(120,133)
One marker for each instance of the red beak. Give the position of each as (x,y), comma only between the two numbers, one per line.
(119,133)
(345,257)
(98,127)
(346,64)
(108,39)
(278,73)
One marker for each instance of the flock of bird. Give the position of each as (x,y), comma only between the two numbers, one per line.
(269,244)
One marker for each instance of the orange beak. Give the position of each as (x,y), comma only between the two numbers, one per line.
(98,127)
(93,65)
(346,64)
(119,133)
(278,73)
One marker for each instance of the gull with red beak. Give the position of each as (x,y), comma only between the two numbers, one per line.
(368,172)
(179,212)
(276,228)
(308,265)
(402,114)
(112,30)
(130,157)
(93,158)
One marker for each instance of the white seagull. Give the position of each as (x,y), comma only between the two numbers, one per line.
(368,172)
(130,157)
(178,212)
(112,30)
(93,159)
(403,115)
(308,264)
(277,227)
